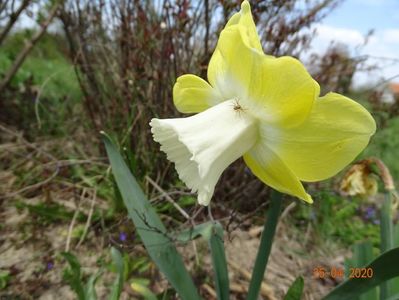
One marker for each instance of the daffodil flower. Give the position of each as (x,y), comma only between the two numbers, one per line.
(263,108)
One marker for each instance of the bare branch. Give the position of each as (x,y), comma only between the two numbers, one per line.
(27,49)
(13,18)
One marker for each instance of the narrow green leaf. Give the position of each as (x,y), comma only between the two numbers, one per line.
(120,268)
(204,230)
(150,227)
(90,290)
(295,290)
(394,297)
(386,238)
(265,245)
(219,262)
(143,290)
(384,268)
(73,275)
(396,235)
(349,263)
(362,256)
(395,281)
(4,278)
(213,233)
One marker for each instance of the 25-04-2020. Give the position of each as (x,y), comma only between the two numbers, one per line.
(321,272)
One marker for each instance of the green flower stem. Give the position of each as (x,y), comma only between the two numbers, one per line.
(386,237)
(265,245)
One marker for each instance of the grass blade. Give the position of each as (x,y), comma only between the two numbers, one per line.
(90,289)
(384,267)
(363,255)
(150,227)
(213,233)
(395,282)
(394,297)
(143,290)
(73,275)
(386,238)
(120,268)
(190,234)
(265,245)
(295,290)
(219,262)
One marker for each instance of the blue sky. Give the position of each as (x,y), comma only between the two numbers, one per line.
(363,15)
(350,22)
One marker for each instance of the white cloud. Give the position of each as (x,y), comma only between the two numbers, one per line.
(382,45)
(350,37)
(391,36)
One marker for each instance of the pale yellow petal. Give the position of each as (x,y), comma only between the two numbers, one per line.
(270,169)
(192,94)
(276,90)
(337,130)
(230,68)
(244,18)
(243,22)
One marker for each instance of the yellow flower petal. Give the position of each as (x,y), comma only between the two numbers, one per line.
(219,64)
(270,169)
(244,18)
(230,67)
(192,94)
(337,130)
(276,90)
(281,91)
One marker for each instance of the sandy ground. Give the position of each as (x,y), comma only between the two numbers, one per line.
(31,253)
(30,247)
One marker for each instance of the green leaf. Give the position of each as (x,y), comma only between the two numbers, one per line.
(384,268)
(265,246)
(386,239)
(213,233)
(295,290)
(219,261)
(73,275)
(4,278)
(120,268)
(143,290)
(395,281)
(204,230)
(149,226)
(363,255)
(396,235)
(90,290)
(394,297)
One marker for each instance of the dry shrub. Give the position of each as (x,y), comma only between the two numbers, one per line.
(129,53)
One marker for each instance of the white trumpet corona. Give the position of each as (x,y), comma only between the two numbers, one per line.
(204,145)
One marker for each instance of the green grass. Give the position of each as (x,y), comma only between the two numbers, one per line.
(339,219)
(45,88)
(385,145)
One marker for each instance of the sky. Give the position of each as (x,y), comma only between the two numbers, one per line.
(351,21)
(348,24)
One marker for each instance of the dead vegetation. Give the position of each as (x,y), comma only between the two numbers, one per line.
(48,212)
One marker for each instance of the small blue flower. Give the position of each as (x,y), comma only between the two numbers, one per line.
(376,222)
(370,213)
(122,236)
(50,265)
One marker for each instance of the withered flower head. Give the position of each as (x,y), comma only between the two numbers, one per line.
(359,180)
